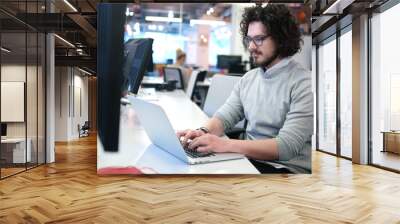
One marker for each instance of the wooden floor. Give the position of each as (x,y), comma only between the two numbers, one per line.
(10,171)
(70,191)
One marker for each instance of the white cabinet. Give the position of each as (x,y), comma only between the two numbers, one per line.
(18,149)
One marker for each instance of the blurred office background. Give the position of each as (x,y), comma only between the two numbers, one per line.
(202,30)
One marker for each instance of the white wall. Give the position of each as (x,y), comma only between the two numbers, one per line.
(17,73)
(80,110)
(71,102)
(33,105)
(61,103)
(13,72)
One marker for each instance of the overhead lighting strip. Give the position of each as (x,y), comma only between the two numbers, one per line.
(337,7)
(65,41)
(70,5)
(163,19)
(84,71)
(5,50)
(207,22)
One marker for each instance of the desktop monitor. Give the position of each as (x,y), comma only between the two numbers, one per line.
(169,61)
(110,60)
(236,69)
(226,61)
(137,55)
(150,65)
(3,129)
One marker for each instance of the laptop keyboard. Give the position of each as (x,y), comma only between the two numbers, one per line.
(195,154)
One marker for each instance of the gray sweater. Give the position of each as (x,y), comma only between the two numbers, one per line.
(277,103)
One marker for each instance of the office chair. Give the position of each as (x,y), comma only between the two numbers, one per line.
(199,94)
(192,90)
(219,91)
(174,74)
(84,130)
(192,83)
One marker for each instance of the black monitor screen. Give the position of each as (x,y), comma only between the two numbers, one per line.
(110,60)
(225,61)
(150,65)
(3,129)
(138,53)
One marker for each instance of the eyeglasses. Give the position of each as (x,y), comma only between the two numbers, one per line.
(257,40)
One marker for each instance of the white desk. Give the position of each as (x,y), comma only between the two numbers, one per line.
(18,150)
(136,150)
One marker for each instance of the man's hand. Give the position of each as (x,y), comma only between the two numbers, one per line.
(188,135)
(210,143)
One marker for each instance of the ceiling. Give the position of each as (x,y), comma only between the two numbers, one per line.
(325,21)
(76,23)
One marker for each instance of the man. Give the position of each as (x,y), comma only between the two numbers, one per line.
(275,98)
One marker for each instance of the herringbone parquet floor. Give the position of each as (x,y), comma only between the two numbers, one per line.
(70,191)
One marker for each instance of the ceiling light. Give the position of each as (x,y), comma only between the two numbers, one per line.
(5,50)
(64,40)
(203,38)
(70,5)
(86,72)
(207,22)
(163,19)
(337,7)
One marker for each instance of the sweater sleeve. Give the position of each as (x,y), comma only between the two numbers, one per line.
(298,126)
(231,112)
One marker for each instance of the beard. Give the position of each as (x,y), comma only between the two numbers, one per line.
(266,62)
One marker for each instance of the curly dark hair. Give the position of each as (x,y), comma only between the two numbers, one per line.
(279,23)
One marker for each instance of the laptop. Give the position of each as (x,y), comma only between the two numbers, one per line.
(157,126)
